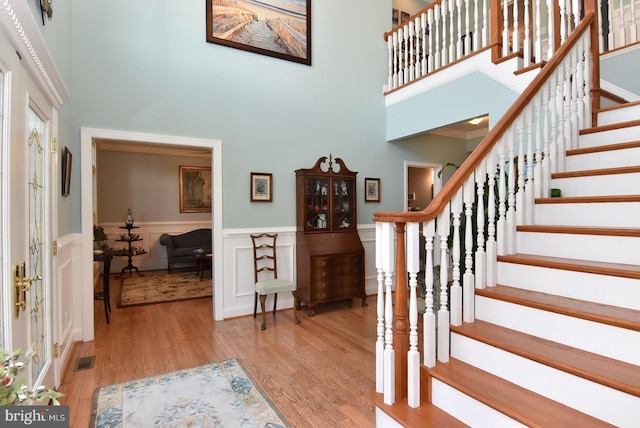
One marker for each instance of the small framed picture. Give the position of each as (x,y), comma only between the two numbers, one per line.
(404,16)
(372,190)
(261,187)
(395,14)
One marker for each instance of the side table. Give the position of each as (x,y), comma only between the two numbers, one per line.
(105,258)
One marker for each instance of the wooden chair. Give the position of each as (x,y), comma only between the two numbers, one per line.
(265,269)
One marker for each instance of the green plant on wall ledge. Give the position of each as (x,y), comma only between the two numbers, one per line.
(12,390)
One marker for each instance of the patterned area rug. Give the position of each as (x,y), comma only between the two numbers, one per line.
(221,394)
(143,290)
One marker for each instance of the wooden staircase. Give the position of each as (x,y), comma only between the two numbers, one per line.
(557,342)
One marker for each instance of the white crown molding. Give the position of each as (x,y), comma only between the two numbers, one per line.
(21,28)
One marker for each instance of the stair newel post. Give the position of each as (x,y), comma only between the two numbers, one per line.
(380,308)
(456,289)
(413,356)
(480,274)
(490,261)
(537,170)
(443,311)
(468,281)
(429,317)
(388,266)
(510,225)
(400,330)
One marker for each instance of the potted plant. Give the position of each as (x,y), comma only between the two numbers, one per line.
(12,390)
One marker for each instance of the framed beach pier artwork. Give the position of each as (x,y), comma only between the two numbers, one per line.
(277,28)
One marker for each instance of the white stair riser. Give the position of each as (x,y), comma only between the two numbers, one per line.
(611,249)
(618,214)
(608,290)
(618,115)
(610,341)
(594,399)
(614,136)
(467,409)
(609,159)
(599,185)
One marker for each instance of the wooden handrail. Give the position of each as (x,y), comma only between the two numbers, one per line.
(438,204)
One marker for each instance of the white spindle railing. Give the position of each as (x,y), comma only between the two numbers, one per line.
(494,190)
(450,30)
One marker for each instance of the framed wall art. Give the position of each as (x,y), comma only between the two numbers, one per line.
(372,190)
(261,187)
(278,28)
(195,189)
(66,171)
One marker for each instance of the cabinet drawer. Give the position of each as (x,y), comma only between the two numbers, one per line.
(350,292)
(348,282)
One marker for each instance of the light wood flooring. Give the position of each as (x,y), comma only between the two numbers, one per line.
(318,373)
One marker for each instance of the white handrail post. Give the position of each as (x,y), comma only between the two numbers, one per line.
(413,356)
(380,311)
(468,281)
(443,311)
(456,289)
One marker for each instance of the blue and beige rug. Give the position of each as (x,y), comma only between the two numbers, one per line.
(221,394)
(143,290)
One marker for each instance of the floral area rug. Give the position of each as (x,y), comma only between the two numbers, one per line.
(221,394)
(143,290)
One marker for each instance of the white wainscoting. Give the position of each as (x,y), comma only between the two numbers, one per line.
(150,232)
(238,267)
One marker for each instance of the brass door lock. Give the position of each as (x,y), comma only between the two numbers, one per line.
(21,285)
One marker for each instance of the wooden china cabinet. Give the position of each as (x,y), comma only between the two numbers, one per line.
(329,253)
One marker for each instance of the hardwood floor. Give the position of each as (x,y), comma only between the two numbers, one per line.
(317,373)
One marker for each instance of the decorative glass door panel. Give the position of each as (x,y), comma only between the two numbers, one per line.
(343,204)
(317,203)
(38,299)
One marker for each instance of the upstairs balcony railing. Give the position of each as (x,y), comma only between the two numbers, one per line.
(450,30)
(445,252)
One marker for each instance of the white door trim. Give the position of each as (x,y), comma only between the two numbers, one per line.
(86,187)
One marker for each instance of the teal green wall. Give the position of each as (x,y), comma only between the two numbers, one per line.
(618,68)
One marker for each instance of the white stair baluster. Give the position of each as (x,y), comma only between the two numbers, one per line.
(526,43)
(429,317)
(380,312)
(443,311)
(491,262)
(413,356)
(505,28)
(388,265)
(480,280)
(456,289)
(468,281)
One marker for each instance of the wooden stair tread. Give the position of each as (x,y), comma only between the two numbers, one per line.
(576,265)
(596,172)
(610,127)
(597,312)
(619,375)
(604,148)
(581,230)
(588,199)
(425,415)
(527,407)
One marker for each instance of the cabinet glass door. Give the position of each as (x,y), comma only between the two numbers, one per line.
(317,203)
(343,204)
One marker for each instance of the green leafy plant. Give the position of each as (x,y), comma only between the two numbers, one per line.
(12,389)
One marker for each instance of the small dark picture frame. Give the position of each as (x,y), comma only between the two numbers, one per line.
(66,171)
(372,190)
(261,187)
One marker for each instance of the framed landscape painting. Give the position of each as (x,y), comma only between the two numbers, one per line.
(277,28)
(195,189)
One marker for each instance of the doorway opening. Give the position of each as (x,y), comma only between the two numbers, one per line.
(89,136)
(422,183)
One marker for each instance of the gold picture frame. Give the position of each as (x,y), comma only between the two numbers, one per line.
(195,189)
(261,187)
